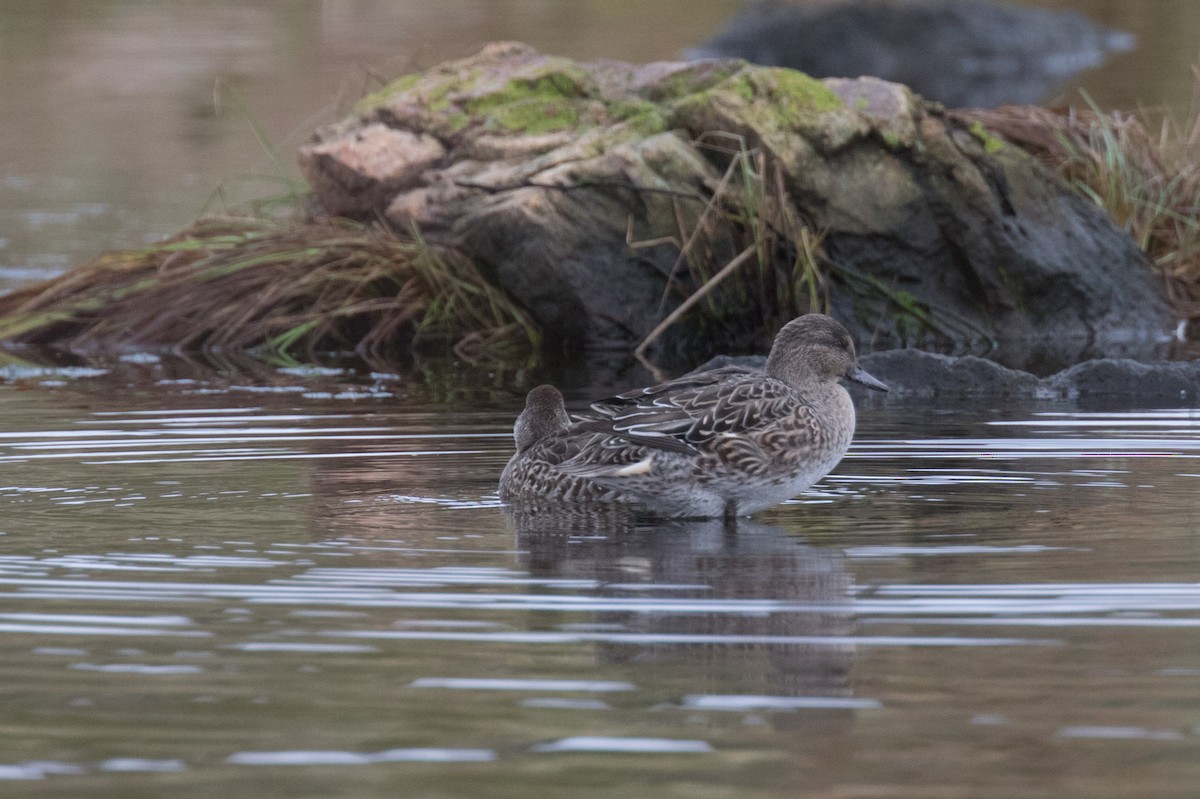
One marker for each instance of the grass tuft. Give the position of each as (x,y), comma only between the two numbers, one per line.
(283,291)
(1149,184)
(749,242)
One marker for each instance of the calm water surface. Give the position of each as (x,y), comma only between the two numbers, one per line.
(304,585)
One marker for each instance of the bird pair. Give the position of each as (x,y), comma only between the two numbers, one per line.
(724,442)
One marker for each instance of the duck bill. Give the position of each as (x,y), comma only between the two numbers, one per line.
(860,375)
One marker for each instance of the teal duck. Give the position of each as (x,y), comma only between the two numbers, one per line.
(725,442)
(546,438)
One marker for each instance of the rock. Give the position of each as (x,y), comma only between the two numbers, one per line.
(912,374)
(574,186)
(366,167)
(915,373)
(1169,383)
(956,52)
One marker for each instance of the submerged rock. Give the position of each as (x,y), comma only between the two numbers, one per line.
(925,375)
(958,52)
(1169,383)
(575,186)
(912,374)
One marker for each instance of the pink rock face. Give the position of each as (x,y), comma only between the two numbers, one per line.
(354,172)
(874,97)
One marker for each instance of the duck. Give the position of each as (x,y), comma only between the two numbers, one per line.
(546,437)
(726,442)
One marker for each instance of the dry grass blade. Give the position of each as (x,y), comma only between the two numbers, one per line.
(695,297)
(749,237)
(230,284)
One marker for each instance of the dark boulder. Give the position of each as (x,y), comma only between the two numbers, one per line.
(957,52)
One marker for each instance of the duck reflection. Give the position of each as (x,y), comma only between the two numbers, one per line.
(721,615)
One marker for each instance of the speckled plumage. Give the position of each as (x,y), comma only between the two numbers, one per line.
(545,440)
(726,442)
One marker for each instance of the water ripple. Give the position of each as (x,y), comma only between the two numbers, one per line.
(496,684)
(344,758)
(741,703)
(613,744)
(217,435)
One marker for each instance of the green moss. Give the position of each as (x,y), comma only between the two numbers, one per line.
(533,104)
(911,305)
(437,96)
(457,121)
(891,139)
(557,95)
(905,310)
(557,80)
(560,95)
(386,93)
(699,78)
(740,87)
(535,117)
(562,80)
(641,117)
(768,98)
(991,143)
(647,125)
(628,109)
(805,94)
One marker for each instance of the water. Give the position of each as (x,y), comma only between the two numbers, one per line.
(302,584)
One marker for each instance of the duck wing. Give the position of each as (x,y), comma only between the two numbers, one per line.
(695,409)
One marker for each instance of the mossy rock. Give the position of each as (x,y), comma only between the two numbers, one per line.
(576,185)
(601,197)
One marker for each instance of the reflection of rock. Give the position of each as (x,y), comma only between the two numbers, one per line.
(957,52)
(765,605)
